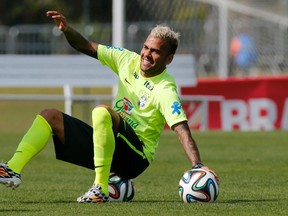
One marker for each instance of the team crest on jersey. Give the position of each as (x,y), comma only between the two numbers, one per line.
(142,101)
(176,107)
(128,106)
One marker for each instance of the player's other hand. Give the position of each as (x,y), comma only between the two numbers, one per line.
(59,19)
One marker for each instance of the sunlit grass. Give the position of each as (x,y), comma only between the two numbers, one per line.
(252,167)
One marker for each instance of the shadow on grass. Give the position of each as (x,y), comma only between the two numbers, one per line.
(155,201)
(75,202)
(247,201)
(18,210)
(40,202)
(236,201)
(219,202)
(45,202)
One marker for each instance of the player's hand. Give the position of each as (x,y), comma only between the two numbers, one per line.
(211,171)
(59,20)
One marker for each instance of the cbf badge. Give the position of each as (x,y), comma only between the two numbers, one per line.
(128,106)
(142,102)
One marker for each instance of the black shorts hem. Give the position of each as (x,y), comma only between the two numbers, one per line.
(78,148)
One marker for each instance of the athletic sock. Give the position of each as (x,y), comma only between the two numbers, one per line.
(104,146)
(32,143)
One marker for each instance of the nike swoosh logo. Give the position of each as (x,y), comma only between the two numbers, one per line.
(127,81)
(99,166)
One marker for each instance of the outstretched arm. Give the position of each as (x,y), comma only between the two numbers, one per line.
(189,145)
(75,39)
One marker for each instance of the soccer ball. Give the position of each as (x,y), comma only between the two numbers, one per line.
(198,185)
(120,190)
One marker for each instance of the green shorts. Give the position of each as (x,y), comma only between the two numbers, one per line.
(78,148)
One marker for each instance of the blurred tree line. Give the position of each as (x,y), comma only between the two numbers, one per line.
(14,12)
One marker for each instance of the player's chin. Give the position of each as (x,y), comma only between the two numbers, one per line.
(145,67)
(147,70)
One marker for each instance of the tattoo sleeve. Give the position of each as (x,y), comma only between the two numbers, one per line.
(81,44)
(189,145)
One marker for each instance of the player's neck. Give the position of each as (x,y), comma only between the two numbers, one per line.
(148,75)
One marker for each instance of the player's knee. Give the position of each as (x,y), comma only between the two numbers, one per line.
(52,116)
(101,115)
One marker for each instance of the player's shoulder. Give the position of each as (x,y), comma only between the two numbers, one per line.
(116,49)
(166,80)
(166,88)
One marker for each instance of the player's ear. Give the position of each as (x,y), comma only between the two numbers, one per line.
(169,59)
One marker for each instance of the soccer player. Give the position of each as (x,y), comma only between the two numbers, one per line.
(122,139)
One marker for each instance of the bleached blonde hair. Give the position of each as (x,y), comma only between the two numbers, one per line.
(166,33)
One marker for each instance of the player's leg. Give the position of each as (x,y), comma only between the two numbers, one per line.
(31,144)
(127,155)
(105,123)
(104,144)
(128,159)
(84,144)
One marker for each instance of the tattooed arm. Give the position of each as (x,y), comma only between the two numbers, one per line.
(75,39)
(189,145)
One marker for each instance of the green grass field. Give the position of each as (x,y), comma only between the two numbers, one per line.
(252,167)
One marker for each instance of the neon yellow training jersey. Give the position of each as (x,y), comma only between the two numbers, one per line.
(146,104)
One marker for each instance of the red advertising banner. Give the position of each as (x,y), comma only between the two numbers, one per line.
(259,103)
